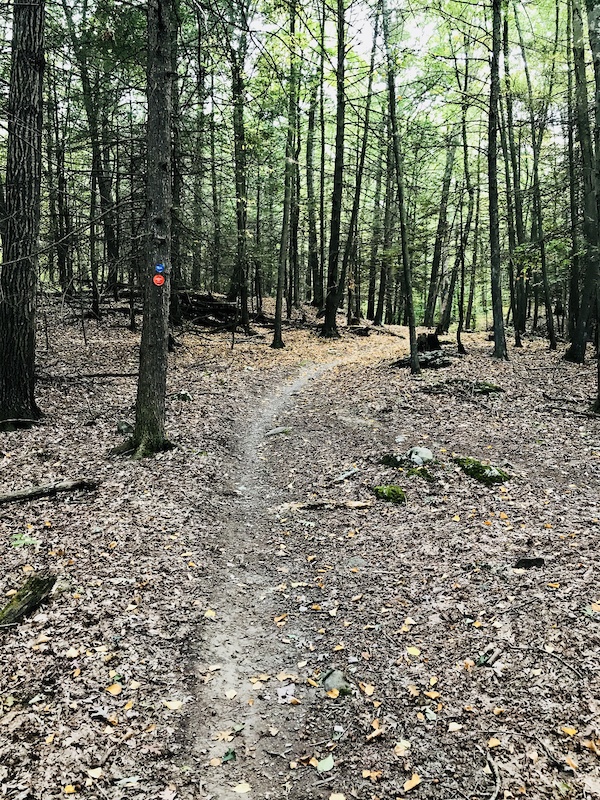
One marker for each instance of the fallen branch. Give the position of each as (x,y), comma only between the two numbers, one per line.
(498,781)
(18,423)
(29,597)
(48,490)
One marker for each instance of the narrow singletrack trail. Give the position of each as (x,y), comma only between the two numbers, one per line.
(237,706)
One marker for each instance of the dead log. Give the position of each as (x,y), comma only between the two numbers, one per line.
(9,425)
(47,490)
(29,597)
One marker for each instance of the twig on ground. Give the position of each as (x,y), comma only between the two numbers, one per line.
(498,780)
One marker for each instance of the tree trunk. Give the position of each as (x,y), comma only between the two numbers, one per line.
(90,103)
(440,237)
(331,300)
(239,287)
(349,247)
(22,206)
(406,270)
(495,271)
(576,351)
(574,274)
(149,433)
(284,245)
(537,195)
(311,203)
(376,230)
(177,279)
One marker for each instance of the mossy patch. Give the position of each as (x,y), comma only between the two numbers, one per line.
(484,473)
(483,387)
(391,493)
(422,472)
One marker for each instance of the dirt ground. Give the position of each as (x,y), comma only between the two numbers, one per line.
(205,596)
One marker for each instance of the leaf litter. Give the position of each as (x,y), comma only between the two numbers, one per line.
(91,683)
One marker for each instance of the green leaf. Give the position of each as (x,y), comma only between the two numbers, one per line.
(326,764)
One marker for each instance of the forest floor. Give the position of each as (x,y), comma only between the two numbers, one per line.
(205,595)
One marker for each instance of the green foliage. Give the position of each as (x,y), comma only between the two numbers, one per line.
(391,493)
(24,540)
(484,473)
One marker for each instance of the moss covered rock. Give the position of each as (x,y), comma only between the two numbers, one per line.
(391,493)
(484,473)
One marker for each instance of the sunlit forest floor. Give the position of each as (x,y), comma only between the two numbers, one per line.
(205,596)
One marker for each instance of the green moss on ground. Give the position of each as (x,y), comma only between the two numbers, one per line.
(422,472)
(484,473)
(391,493)
(483,387)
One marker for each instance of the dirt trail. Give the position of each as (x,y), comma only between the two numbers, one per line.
(231,712)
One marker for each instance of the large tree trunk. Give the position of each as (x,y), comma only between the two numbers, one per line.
(574,274)
(576,351)
(22,214)
(499,338)
(284,245)
(149,434)
(331,300)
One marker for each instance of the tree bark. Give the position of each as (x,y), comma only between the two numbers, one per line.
(149,433)
(576,351)
(440,237)
(406,269)
(284,245)
(18,274)
(495,267)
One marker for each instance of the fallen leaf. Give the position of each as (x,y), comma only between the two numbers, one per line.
(69,789)
(455,726)
(569,731)
(367,688)
(432,695)
(401,747)
(230,694)
(242,788)
(333,693)
(224,736)
(413,690)
(415,780)
(210,614)
(115,689)
(95,773)
(569,762)
(174,705)
(215,762)
(134,685)
(326,764)
(337,796)
(413,651)
(72,652)
(497,711)
(493,742)
(372,775)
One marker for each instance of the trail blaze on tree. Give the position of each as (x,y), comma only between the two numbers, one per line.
(149,434)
